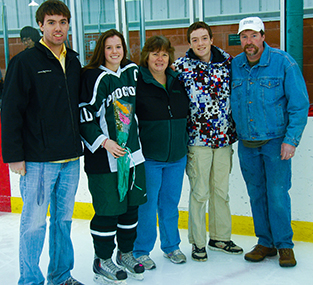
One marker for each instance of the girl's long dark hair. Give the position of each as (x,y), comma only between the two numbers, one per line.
(98,55)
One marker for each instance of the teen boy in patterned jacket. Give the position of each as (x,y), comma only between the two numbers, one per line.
(205,71)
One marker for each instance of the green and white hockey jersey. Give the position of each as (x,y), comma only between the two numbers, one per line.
(99,88)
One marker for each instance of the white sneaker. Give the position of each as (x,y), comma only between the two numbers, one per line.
(176,256)
(146,261)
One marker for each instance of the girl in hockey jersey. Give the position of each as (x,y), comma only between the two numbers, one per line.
(110,77)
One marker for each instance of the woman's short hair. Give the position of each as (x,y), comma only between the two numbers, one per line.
(156,43)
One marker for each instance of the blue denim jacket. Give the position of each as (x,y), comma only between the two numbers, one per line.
(269,100)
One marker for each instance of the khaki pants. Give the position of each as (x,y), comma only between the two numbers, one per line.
(208,171)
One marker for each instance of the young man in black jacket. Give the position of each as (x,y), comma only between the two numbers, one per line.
(41,142)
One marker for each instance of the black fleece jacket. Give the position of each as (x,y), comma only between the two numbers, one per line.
(162,115)
(40,107)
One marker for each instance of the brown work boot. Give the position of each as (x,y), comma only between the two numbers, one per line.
(287,258)
(260,252)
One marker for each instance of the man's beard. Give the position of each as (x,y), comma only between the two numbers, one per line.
(256,49)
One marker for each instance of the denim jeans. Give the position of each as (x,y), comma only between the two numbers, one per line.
(268,179)
(55,184)
(164,185)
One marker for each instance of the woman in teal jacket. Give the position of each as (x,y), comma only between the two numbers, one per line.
(162,107)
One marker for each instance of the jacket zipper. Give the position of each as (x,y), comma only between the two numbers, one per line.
(69,103)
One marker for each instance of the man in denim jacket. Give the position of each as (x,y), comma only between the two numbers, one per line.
(270,104)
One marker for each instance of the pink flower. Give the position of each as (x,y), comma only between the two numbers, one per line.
(124,119)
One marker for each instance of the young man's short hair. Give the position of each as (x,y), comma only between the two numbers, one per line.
(52,7)
(196,26)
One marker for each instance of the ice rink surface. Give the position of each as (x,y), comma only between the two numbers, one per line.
(221,268)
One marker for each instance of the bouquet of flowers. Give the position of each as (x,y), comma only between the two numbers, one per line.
(123,112)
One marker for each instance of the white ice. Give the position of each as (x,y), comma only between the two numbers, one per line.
(220,268)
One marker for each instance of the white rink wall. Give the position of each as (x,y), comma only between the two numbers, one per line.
(301,192)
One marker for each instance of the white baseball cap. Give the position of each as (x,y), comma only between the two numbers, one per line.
(251,23)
